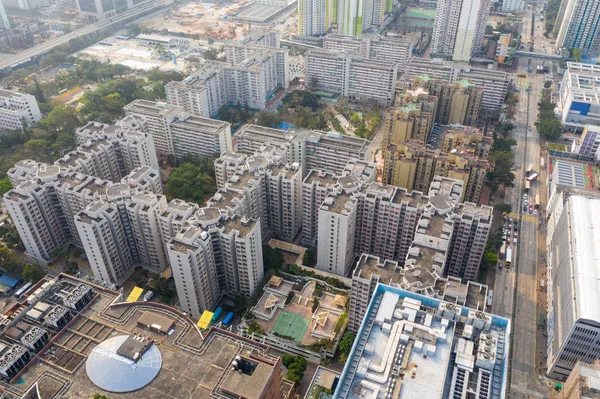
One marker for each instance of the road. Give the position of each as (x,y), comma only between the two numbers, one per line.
(43,48)
(521,304)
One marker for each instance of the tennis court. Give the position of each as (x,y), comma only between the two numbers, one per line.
(291,325)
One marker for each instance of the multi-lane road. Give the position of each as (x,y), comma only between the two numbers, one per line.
(143,8)
(516,289)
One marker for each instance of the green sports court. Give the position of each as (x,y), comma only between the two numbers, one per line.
(291,325)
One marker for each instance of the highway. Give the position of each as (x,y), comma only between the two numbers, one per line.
(42,48)
(521,303)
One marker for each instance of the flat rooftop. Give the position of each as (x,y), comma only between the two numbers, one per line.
(323,178)
(242,226)
(245,385)
(211,354)
(369,265)
(404,349)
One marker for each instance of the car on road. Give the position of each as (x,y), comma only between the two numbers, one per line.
(515,234)
(535,212)
(530,208)
(514,240)
(525,208)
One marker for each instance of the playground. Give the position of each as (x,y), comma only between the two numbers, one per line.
(291,325)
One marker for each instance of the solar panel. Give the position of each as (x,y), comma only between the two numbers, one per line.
(115,373)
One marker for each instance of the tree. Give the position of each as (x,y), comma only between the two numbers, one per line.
(547,84)
(489,260)
(189,183)
(503,208)
(212,54)
(510,105)
(313,84)
(33,272)
(355,119)
(549,128)
(272,258)
(99,396)
(577,54)
(62,118)
(301,98)
(268,119)
(5,185)
(38,147)
(134,30)
(345,345)
(71,267)
(501,173)
(308,259)
(38,92)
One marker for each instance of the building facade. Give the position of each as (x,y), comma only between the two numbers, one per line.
(17,110)
(458,28)
(579,27)
(579,96)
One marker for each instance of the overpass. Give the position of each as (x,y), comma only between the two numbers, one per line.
(42,48)
(537,56)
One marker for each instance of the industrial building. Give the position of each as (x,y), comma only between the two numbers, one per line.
(414,346)
(573,321)
(579,96)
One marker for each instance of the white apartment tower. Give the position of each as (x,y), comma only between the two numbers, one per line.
(4,23)
(241,246)
(143,211)
(17,110)
(285,201)
(513,5)
(316,187)
(194,271)
(467,244)
(336,233)
(459,28)
(106,246)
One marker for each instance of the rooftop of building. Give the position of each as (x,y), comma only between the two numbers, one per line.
(223,198)
(240,180)
(243,384)
(255,131)
(9,93)
(585,243)
(336,140)
(340,203)
(414,335)
(414,198)
(196,123)
(321,177)
(208,216)
(211,353)
(370,265)
(241,225)
(482,211)
(150,107)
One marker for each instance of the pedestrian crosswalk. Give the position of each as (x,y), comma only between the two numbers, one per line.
(526,217)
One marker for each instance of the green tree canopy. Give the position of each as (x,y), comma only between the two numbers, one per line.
(189,183)
(550,129)
(272,258)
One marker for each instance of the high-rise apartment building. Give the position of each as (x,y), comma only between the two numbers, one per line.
(573,323)
(194,270)
(458,102)
(175,132)
(458,28)
(374,47)
(203,92)
(433,232)
(494,83)
(357,16)
(316,16)
(467,244)
(17,110)
(412,117)
(312,149)
(336,233)
(105,242)
(349,75)
(315,188)
(284,187)
(579,26)
(412,165)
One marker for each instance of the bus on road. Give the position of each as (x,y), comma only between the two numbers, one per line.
(533,177)
(508,260)
(529,170)
(503,250)
(527,185)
